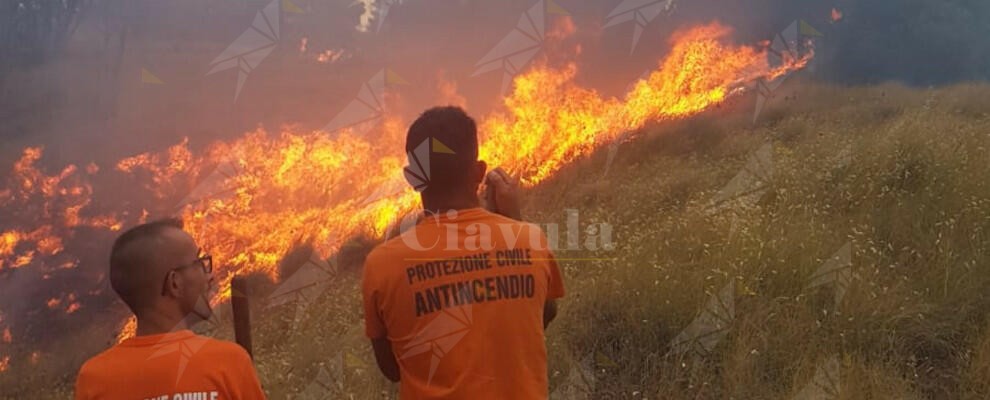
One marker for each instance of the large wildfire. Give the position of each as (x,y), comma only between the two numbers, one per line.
(250,201)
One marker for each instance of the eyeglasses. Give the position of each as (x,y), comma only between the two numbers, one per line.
(205,261)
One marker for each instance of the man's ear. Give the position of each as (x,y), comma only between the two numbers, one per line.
(173,287)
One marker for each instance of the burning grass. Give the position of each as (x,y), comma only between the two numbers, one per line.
(279,187)
(897,175)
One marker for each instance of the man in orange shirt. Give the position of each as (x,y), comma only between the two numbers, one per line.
(160,273)
(456,306)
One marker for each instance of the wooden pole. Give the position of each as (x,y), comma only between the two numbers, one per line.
(242,313)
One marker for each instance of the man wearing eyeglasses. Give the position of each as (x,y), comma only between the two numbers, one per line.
(166,280)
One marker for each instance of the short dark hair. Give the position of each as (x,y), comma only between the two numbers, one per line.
(452,128)
(128,262)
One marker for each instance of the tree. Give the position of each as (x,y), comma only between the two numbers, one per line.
(32,31)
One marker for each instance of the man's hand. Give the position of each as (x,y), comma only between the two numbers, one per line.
(549,312)
(386,358)
(502,194)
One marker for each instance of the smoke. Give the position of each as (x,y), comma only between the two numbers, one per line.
(917,42)
(374,10)
(913,41)
(364,23)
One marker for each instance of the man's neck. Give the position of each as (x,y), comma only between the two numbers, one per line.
(156,322)
(443,205)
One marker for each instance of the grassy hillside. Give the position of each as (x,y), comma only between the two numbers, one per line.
(898,176)
(887,184)
(883,188)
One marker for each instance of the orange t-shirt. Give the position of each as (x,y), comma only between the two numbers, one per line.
(170,366)
(461,300)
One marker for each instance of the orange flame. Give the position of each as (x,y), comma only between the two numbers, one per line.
(54,302)
(331,56)
(270,193)
(63,197)
(72,304)
(552,121)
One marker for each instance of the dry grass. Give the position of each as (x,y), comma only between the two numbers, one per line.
(899,174)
